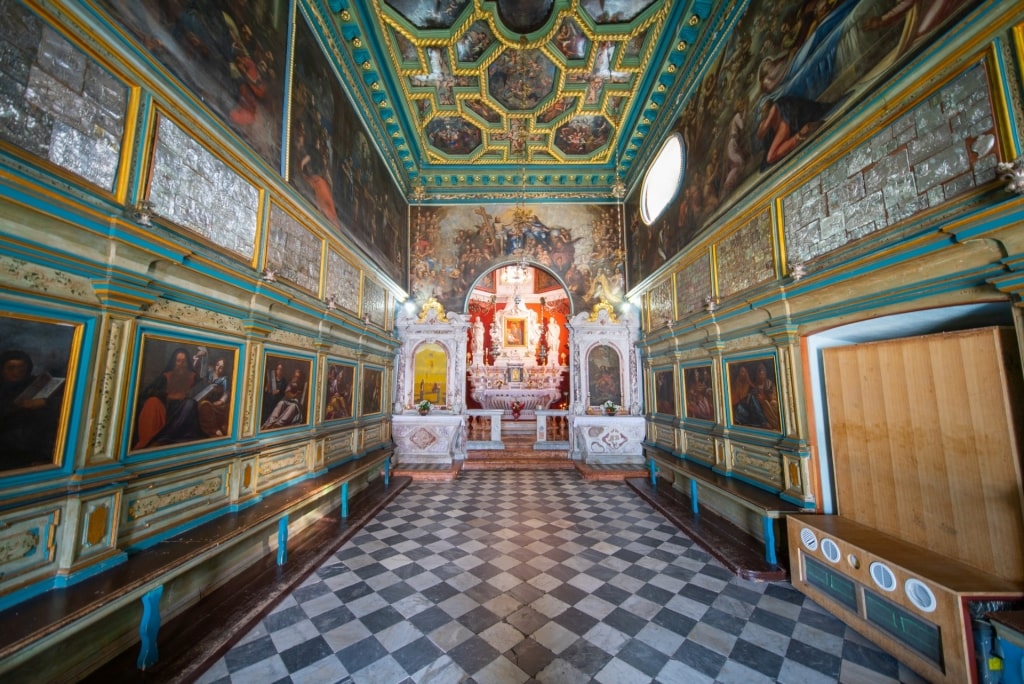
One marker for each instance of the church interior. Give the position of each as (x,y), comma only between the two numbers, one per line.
(498,341)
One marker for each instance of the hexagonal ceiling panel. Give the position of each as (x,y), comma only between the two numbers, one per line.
(557,94)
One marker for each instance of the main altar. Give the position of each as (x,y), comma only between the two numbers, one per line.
(522,376)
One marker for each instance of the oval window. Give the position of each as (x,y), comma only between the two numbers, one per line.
(663,179)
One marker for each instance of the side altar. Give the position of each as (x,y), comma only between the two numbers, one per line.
(429,415)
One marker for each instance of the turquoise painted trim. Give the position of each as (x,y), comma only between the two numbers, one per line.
(73,435)
(387,472)
(694,497)
(810,505)
(148,628)
(769,540)
(282,540)
(64,581)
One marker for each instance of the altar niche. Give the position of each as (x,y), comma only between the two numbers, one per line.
(520,369)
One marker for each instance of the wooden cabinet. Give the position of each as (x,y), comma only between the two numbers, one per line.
(926,459)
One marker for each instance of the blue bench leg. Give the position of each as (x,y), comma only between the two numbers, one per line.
(694,505)
(282,540)
(148,628)
(654,473)
(387,471)
(344,499)
(769,540)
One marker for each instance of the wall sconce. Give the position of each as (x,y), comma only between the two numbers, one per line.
(797,271)
(711,304)
(1013,174)
(332,303)
(269,276)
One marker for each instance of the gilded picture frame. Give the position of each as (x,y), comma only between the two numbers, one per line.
(184,392)
(38,362)
(753,399)
(339,391)
(285,401)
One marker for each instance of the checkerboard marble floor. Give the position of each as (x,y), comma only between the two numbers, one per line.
(522,576)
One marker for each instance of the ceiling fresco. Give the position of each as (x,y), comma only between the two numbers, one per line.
(488,98)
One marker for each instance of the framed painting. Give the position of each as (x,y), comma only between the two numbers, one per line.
(430,373)
(38,358)
(285,401)
(665,392)
(754,393)
(184,392)
(372,388)
(338,391)
(604,375)
(232,55)
(698,392)
(515,332)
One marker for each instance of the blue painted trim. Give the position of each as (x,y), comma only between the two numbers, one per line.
(63,581)
(769,540)
(282,540)
(148,628)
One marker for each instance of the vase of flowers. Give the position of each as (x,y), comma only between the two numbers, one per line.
(423,407)
(517,408)
(610,408)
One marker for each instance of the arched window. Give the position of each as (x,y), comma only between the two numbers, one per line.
(663,179)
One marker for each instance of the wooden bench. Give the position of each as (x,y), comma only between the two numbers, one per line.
(95,616)
(764,503)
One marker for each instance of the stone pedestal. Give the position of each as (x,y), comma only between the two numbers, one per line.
(608,439)
(433,439)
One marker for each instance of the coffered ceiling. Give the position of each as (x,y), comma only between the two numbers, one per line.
(466,98)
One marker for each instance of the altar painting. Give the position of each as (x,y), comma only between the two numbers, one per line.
(430,373)
(515,332)
(604,373)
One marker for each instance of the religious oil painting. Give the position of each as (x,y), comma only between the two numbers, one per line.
(333,164)
(38,358)
(372,390)
(286,391)
(754,394)
(665,392)
(232,54)
(580,245)
(698,393)
(430,373)
(515,332)
(184,393)
(604,375)
(783,75)
(339,390)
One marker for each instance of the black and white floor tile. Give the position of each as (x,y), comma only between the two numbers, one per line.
(521,576)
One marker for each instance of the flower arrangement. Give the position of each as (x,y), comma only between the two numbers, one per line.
(423,407)
(610,407)
(516,406)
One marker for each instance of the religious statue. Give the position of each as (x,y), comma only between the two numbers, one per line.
(478,342)
(553,335)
